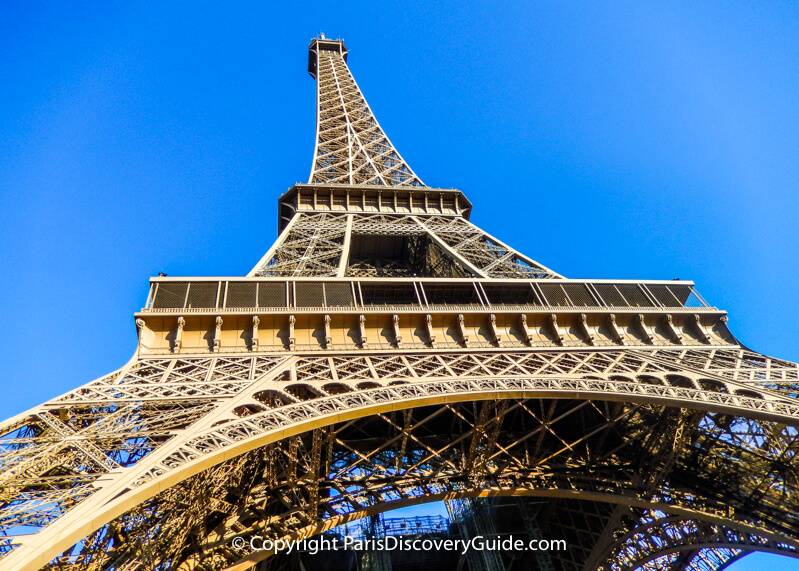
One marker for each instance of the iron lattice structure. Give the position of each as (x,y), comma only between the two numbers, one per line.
(387,352)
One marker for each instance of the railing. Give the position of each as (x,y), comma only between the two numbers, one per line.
(237,294)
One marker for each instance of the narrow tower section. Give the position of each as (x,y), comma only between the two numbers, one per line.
(351,148)
(365,214)
(387,351)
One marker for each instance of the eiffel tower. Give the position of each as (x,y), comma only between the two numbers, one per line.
(387,352)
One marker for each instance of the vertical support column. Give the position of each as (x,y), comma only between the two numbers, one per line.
(345,248)
(492,326)
(472,518)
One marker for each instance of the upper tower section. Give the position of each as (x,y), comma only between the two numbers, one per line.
(351,147)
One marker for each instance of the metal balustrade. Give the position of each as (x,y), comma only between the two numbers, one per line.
(168,295)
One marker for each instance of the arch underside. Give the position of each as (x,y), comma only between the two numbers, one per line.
(305,443)
(578,454)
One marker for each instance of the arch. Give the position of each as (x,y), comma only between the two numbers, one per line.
(660,535)
(274,398)
(303,391)
(748,393)
(177,461)
(248,409)
(680,381)
(651,380)
(368,385)
(748,536)
(336,388)
(713,385)
(667,541)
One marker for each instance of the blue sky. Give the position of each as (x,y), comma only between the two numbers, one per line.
(626,140)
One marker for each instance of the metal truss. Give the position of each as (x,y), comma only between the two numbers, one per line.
(706,559)
(643,431)
(488,256)
(658,538)
(312,245)
(317,244)
(560,450)
(351,147)
(175,419)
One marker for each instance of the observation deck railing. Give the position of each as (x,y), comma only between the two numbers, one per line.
(199,295)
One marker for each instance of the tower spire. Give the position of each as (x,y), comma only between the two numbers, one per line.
(386,350)
(351,147)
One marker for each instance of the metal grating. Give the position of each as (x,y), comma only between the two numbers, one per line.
(272,294)
(242,294)
(339,294)
(170,295)
(450,294)
(393,294)
(310,294)
(610,295)
(693,299)
(511,294)
(202,294)
(664,295)
(251,294)
(554,294)
(579,294)
(683,293)
(634,295)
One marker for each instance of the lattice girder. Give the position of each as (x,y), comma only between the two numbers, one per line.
(554,460)
(351,147)
(432,362)
(316,244)
(657,536)
(299,393)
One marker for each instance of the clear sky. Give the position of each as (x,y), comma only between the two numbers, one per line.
(623,140)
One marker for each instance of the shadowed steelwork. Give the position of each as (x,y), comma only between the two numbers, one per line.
(386,352)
